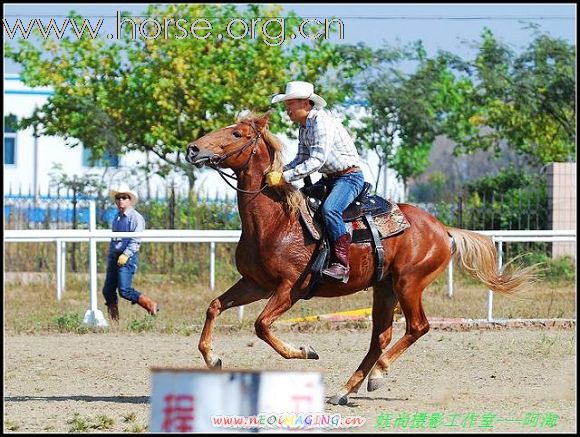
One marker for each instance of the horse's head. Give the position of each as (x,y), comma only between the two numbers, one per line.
(232,146)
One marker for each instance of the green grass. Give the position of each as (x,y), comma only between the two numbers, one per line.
(78,423)
(86,424)
(11,426)
(33,308)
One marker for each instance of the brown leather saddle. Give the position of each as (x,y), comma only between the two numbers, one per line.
(362,205)
(369,218)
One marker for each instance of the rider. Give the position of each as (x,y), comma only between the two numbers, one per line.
(325,146)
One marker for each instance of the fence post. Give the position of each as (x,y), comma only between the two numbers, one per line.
(58,269)
(450,279)
(93,316)
(63,265)
(490,293)
(212,265)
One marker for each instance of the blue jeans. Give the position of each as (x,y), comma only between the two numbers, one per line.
(343,190)
(120,277)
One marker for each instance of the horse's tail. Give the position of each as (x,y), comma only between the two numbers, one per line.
(476,254)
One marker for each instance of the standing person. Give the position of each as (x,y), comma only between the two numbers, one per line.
(325,146)
(123,255)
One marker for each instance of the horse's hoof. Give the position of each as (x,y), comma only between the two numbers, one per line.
(310,352)
(375,384)
(338,400)
(216,364)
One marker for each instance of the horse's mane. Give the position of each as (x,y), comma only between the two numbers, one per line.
(291,196)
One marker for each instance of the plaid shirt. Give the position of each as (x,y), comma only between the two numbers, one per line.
(131,221)
(324,145)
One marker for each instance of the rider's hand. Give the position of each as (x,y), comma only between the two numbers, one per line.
(122,260)
(274,179)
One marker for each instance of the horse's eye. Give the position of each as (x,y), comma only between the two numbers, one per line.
(237,134)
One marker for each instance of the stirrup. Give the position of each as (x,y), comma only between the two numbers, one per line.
(340,277)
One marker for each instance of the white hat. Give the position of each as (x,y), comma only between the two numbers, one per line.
(124,189)
(300,90)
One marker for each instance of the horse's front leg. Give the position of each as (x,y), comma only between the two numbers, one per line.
(242,292)
(282,300)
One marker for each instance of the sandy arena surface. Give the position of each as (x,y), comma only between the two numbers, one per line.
(514,380)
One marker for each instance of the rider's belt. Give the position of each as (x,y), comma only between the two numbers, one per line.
(337,174)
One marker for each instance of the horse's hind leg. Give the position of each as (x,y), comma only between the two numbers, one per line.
(384,303)
(409,288)
(242,292)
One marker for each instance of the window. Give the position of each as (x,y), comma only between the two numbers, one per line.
(108,159)
(10,139)
(9,149)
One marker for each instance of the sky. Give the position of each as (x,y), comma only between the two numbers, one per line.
(440,26)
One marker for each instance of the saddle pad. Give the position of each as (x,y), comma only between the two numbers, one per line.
(387,224)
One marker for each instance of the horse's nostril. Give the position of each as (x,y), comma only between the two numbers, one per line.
(192,152)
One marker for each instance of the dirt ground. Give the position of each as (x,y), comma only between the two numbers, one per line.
(518,380)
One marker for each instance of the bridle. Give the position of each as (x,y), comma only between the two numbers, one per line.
(216,160)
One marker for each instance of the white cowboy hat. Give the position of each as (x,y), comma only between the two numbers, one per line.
(124,189)
(300,90)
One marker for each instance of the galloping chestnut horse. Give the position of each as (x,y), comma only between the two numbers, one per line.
(274,255)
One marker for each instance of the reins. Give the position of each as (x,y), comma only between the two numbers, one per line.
(217,159)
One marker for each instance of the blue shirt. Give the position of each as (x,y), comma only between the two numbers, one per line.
(130,221)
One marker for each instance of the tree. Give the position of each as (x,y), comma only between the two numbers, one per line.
(81,187)
(526,99)
(404,108)
(157,94)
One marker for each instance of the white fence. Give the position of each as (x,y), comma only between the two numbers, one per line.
(95,317)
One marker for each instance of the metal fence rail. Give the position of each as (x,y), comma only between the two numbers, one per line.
(92,235)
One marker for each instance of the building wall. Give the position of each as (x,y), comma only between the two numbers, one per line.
(562,203)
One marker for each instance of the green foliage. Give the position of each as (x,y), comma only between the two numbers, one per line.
(190,214)
(405,109)
(84,424)
(444,212)
(434,189)
(552,270)
(11,426)
(85,185)
(78,424)
(70,322)
(142,325)
(512,199)
(506,179)
(158,94)
(103,422)
(131,417)
(527,99)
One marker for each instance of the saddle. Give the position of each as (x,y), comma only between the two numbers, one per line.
(369,218)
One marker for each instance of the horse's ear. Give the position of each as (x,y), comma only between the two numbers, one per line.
(262,121)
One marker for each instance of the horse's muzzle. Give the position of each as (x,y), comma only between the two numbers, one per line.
(196,156)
